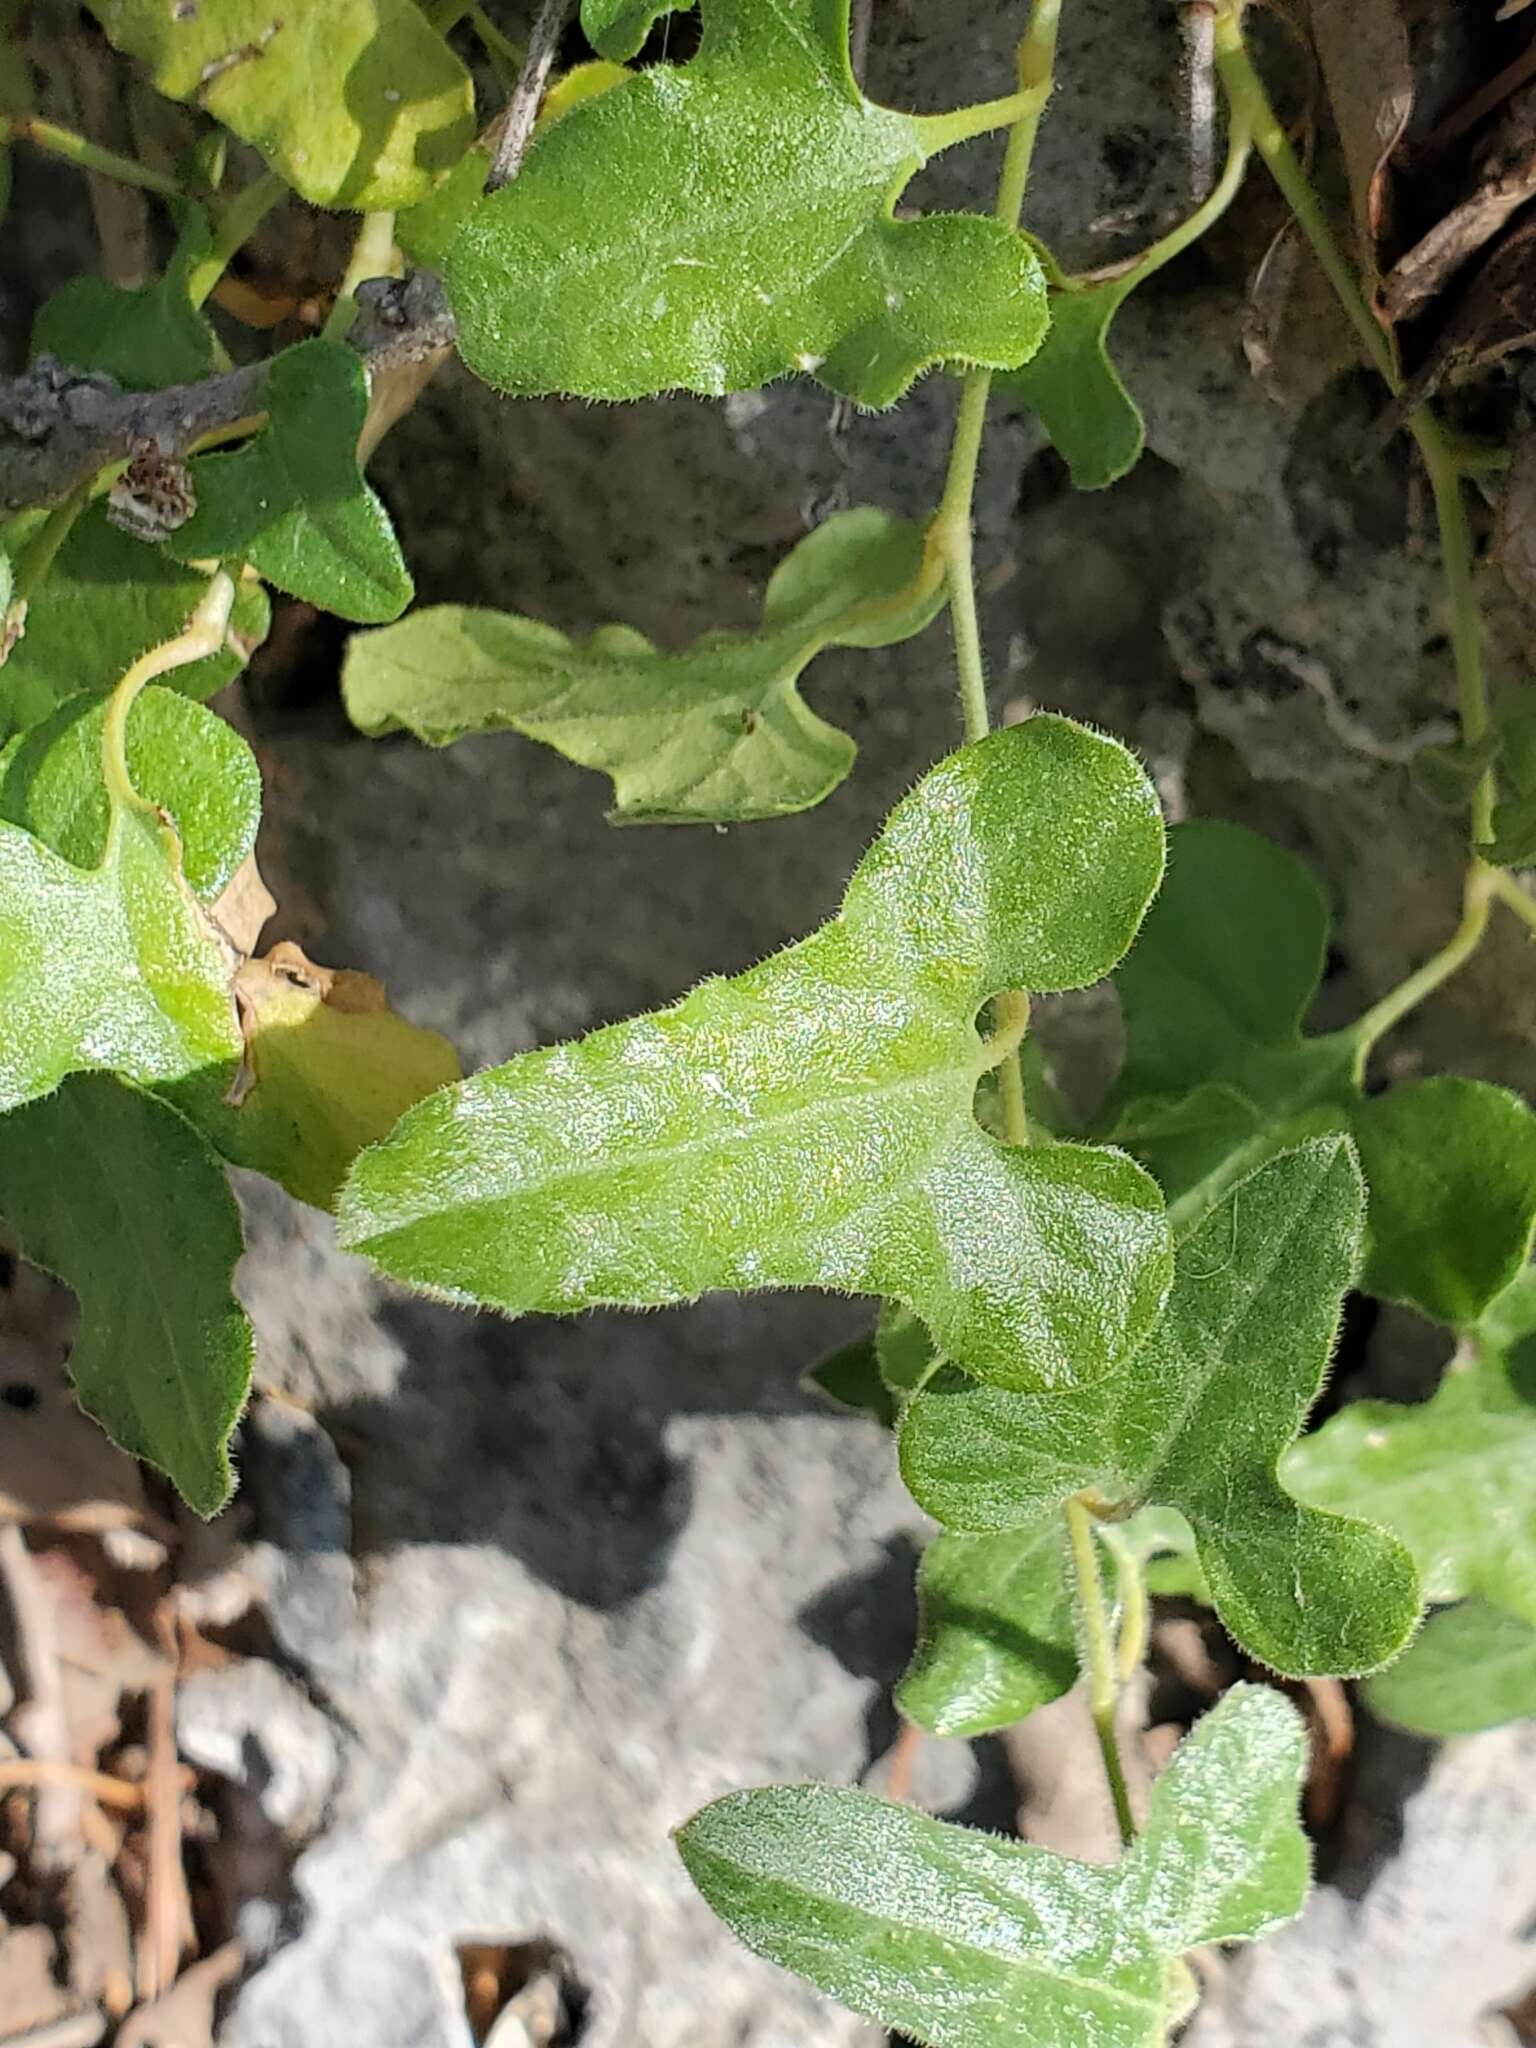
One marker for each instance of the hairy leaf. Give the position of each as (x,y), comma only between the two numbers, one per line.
(1455,1476)
(712,226)
(425,233)
(962,1940)
(997,1633)
(618,28)
(182,758)
(719,732)
(1217,1074)
(107,600)
(1072,384)
(810,1123)
(356,103)
(293,502)
(1469,1667)
(111,1190)
(114,965)
(1196,1421)
(146,338)
(329,1068)
(1451,1165)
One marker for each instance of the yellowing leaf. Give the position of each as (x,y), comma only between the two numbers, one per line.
(357,103)
(328,1069)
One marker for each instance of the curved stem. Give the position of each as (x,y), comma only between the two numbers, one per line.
(1099,1657)
(203,634)
(1135,1609)
(238,222)
(86,156)
(1477,900)
(1250,103)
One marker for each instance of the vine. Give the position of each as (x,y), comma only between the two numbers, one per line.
(1097,1347)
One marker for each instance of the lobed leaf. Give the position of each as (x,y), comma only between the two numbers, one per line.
(107,600)
(1469,1667)
(712,226)
(356,103)
(1217,1074)
(719,732)
(1197,1421)
(293,502)
(810,1123)
(182,759)
(1072,384)
(117,1195)
(962,1940)
(1455,1476)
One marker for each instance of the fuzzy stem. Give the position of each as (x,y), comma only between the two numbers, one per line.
(1477,900)
(203,634)
(86,156)
(1099,1657)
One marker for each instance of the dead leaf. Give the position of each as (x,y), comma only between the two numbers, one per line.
(1362,49)
(1506,179)
(244,906)
(329,1068)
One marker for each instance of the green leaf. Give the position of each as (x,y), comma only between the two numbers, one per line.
(107,600)
(293,502)
(1448,775)
(714,226)
(616,29)
(112,1191)
(356,103)
(425,232)
(1454,1477)
(849,1377)
(719,732)
(1217,1076)
(182,758)
(328,1069)
(1470,1667)
(1072,384)
(146,338)
(1196,1421)
(112,966)
(997,1634)
(962,1940)
(810,1123)
(1514,816)
(1451,1165)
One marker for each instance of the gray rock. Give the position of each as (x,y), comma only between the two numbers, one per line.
(1440,1941)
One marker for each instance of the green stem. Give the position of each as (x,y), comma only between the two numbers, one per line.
(1135,1609)
(37,557)
(950,534)
(1099,1657)
(1512,896)
(1250,103)
(1481,888)
(203,634)
(373,255)
(238,222)
(1206,214)
(87,156)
